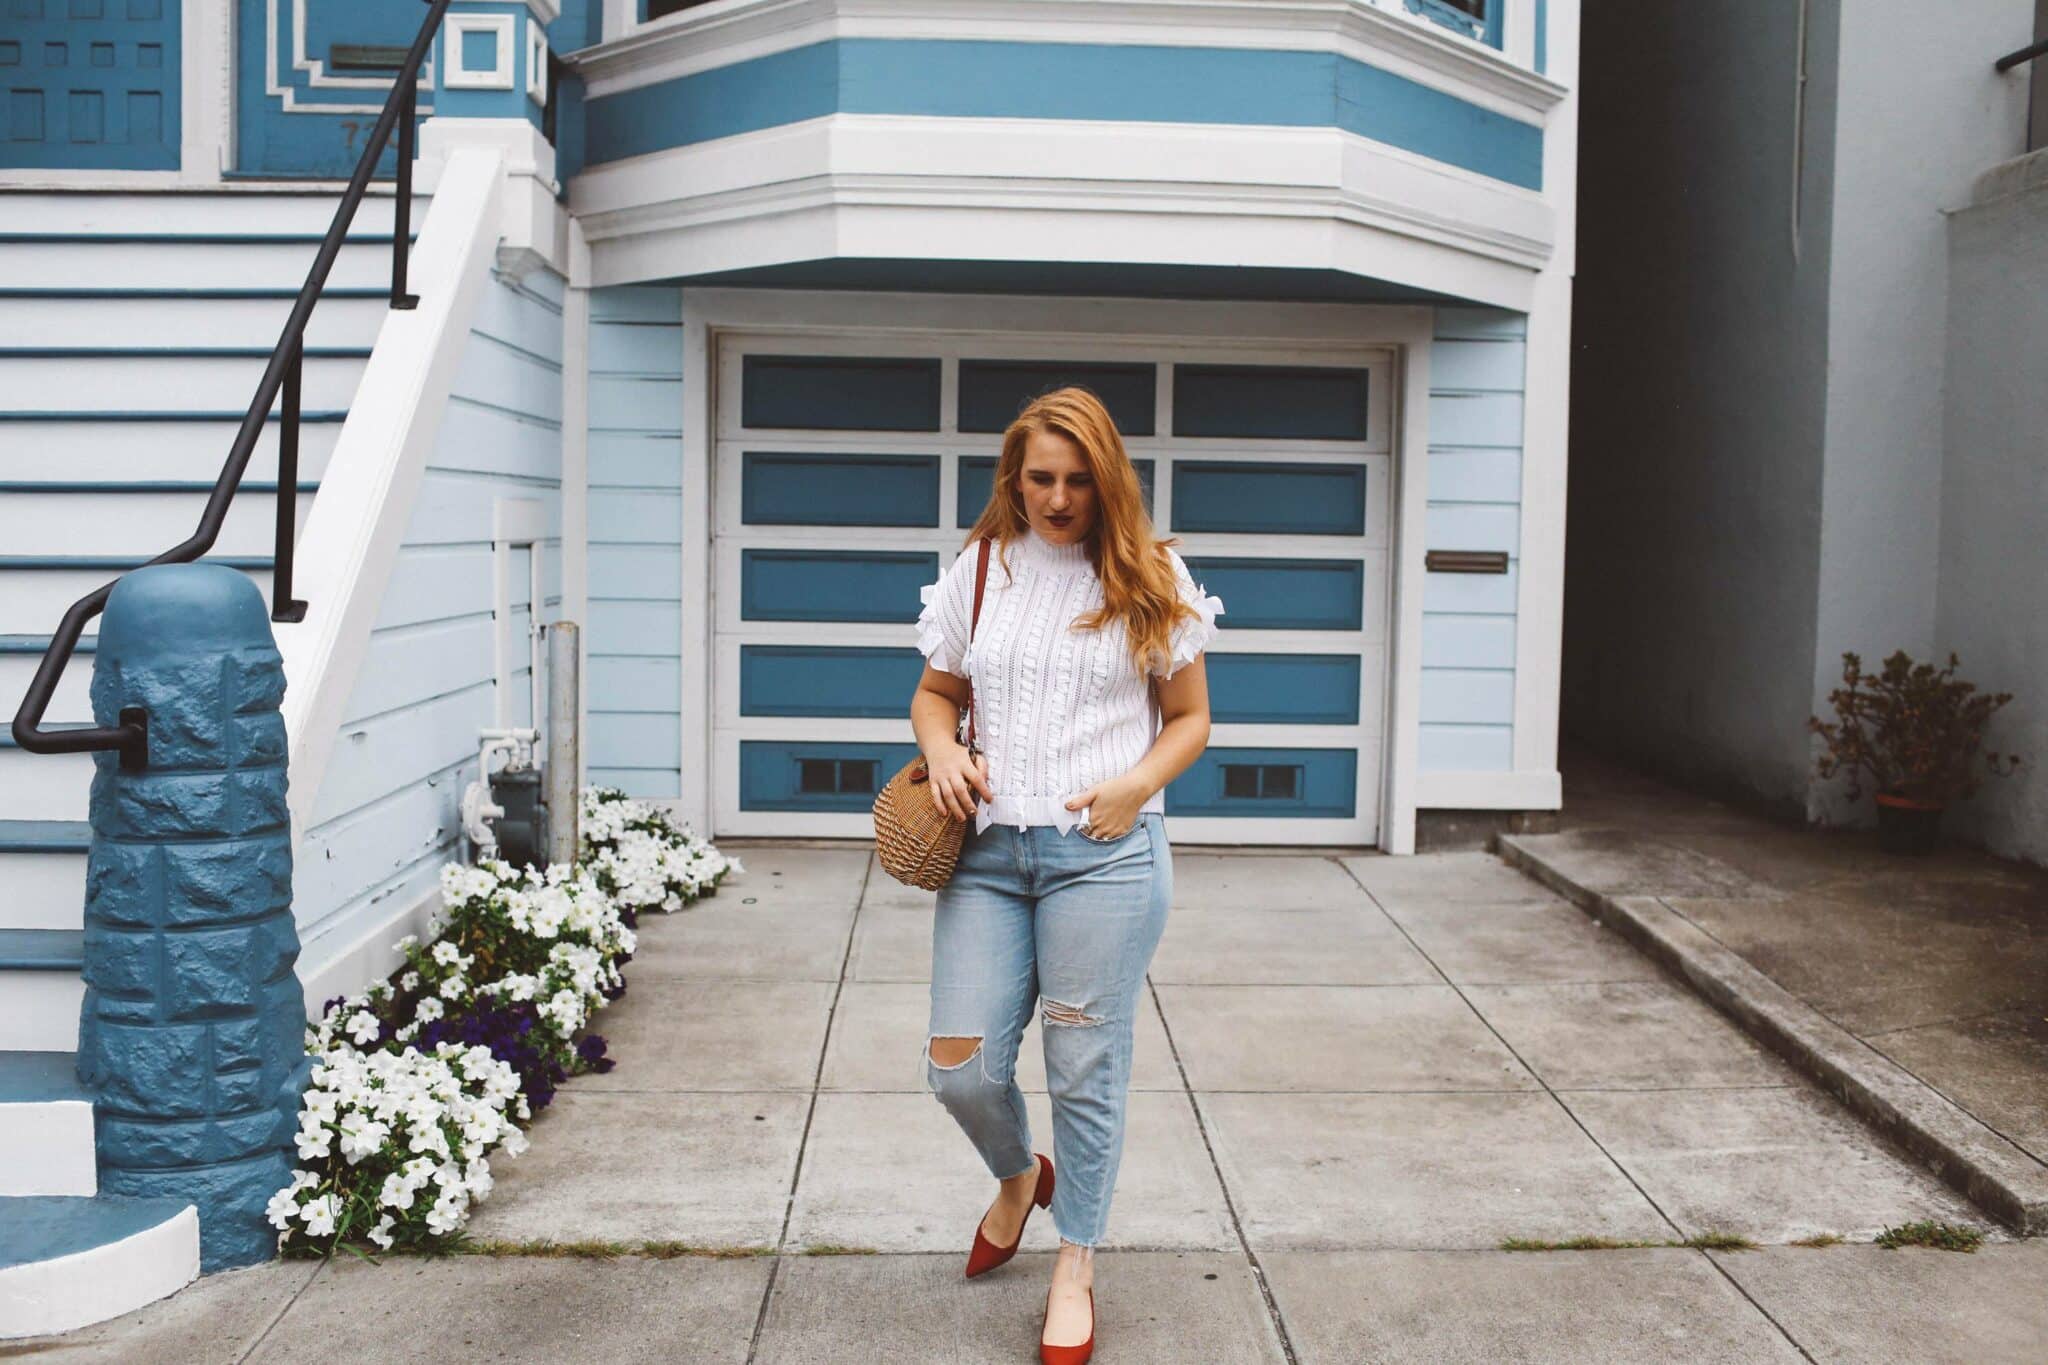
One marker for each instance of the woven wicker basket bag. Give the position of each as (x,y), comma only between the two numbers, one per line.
(918,843)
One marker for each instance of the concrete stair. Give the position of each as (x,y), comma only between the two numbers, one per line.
(134,329)
(69,1255)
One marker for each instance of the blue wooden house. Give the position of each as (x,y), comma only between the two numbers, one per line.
(712,316)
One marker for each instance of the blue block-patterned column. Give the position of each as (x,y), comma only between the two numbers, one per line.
(192,1034)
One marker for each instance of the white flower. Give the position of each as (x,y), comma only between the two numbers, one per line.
(319,1216)
(282,1207)
(397,1192)
(314,1144)
(381,1234)
(409,982)
(362,1028)
(429,1010)
(454,988)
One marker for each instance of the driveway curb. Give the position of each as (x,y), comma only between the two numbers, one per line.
(1991,1172)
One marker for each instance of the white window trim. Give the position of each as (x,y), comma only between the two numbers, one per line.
(500,76)
(1173,325)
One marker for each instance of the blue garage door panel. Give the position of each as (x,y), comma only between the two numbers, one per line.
(839,393)
(794,775)
(817,680)
(793,489)
(833,585)
(978,480)
(1251,783)
(90,84)
(993,391)
(1275,402)
(1283,689)
(1285,594)
(1267,497)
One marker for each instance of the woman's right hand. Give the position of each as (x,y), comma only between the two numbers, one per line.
(957,776)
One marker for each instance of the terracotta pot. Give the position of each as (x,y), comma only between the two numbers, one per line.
(1907,826)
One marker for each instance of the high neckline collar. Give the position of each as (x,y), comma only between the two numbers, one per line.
(1035,550)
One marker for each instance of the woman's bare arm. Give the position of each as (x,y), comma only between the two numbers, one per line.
(956,776)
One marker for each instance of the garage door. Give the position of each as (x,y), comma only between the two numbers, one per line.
(848,466)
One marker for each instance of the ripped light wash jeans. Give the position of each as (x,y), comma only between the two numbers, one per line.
(1028,913)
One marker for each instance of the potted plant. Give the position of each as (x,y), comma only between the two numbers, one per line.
(1915,734)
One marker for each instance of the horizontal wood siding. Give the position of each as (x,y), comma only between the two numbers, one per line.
(1475,503)
(387,815)
(636,556)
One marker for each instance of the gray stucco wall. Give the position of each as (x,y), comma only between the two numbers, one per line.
(1994,498)
(1699,391)
(1921,113)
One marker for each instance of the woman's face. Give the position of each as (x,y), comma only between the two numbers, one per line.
(1059,492)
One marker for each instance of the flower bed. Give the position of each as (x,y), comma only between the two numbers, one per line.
(419,1080)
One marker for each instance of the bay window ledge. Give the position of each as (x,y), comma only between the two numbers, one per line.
(1384,33)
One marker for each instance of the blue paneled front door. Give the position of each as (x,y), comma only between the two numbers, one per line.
(89,84)
(306,96)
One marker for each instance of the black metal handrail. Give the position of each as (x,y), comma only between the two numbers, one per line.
(2010,60)
(285,371)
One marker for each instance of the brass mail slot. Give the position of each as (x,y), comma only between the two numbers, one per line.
(1466,561)
(365,57)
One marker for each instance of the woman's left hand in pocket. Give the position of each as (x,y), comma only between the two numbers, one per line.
(1112,807)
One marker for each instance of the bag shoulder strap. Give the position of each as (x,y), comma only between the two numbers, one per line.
(980,582)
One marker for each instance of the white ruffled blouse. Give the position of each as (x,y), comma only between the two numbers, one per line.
(1056,710)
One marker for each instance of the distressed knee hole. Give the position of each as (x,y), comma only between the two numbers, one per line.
(950,1054)
(1060,1012)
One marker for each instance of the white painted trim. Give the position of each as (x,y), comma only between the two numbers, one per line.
(702,311)
(894,187)
(207,99)
(576,492)
(537,64)
(68,1292)
(516,523)
(543,11)
(1540,556)
(1404,664)
(621,17)
(1490,791)
(534,228)
(882,322)
(358,519)
(503,69)
(330,965)
(46,1148)
(1379,33)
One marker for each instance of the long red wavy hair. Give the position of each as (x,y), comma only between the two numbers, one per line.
(1130,560)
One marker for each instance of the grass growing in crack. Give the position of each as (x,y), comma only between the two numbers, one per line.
(599,1250)
(838,1249)
(1572,1244)
(1819,1239)
(1926,1233)
(1706,1241)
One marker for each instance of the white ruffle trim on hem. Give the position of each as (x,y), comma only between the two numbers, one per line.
(1023,811)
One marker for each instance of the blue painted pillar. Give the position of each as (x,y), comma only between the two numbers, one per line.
(192,1033)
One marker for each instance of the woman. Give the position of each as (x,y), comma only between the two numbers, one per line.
(1089,697)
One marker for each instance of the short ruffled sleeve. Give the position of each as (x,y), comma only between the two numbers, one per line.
(1190,635)
(943,624)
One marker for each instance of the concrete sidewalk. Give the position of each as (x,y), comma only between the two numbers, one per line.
(1914,988)
(1354,1079)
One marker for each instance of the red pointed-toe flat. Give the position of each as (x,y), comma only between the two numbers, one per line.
(1068,1355)
(987,1255)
